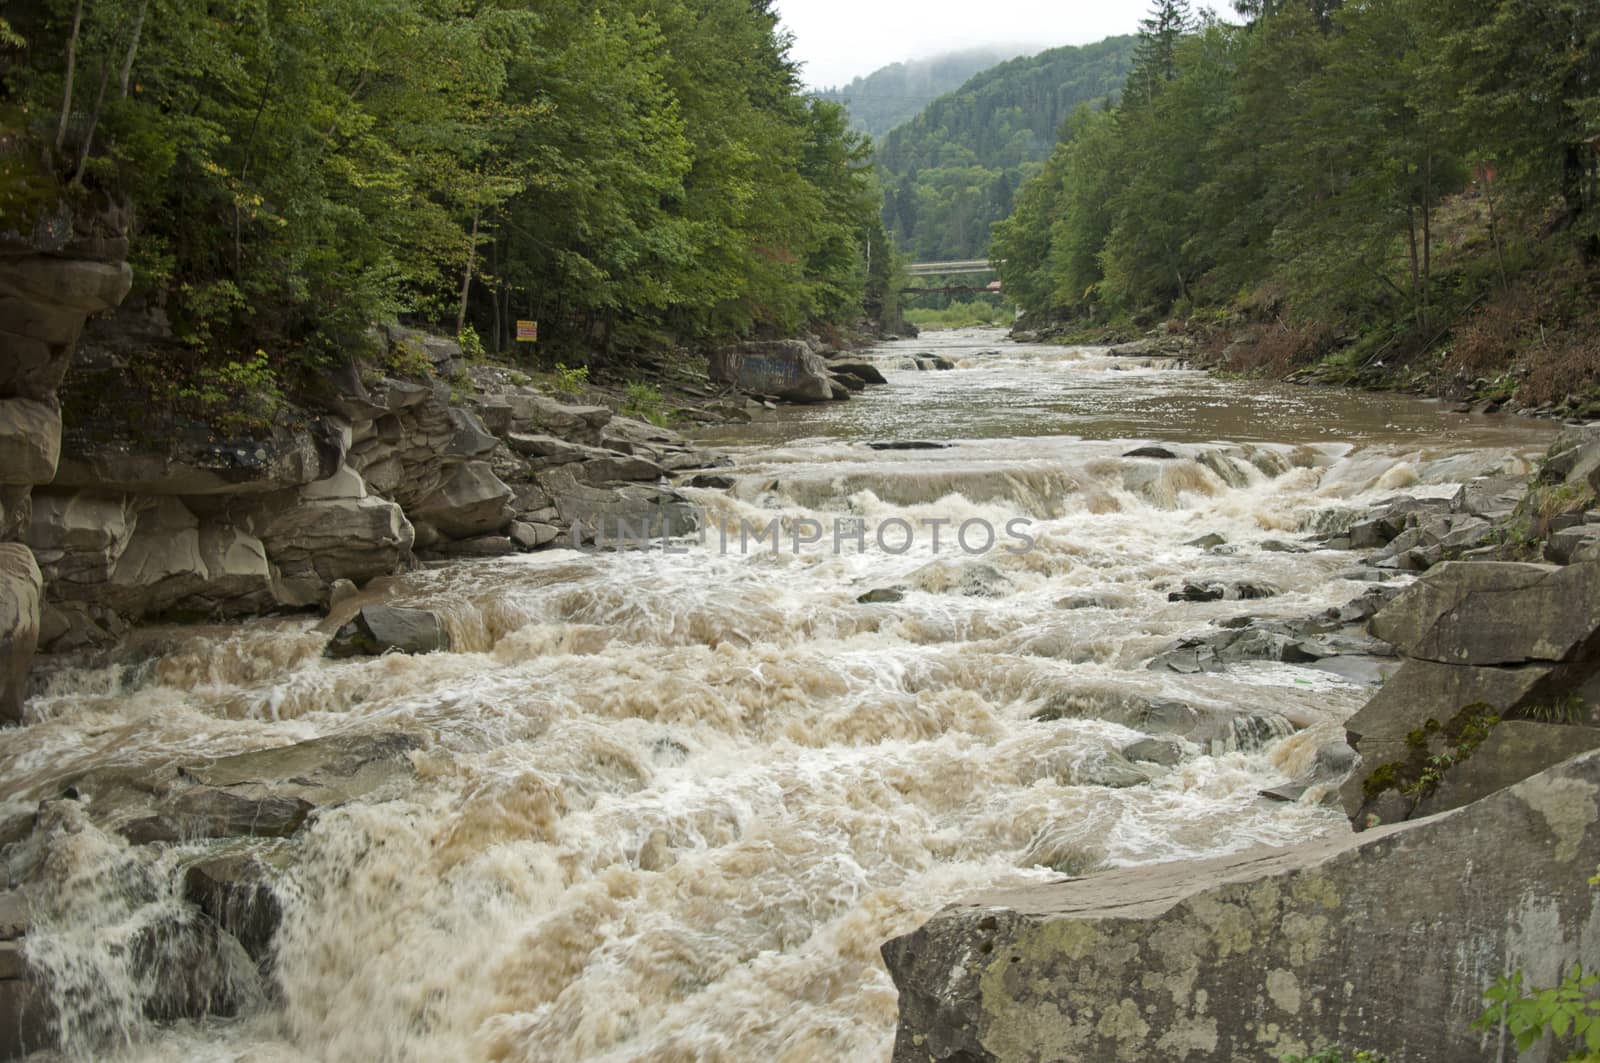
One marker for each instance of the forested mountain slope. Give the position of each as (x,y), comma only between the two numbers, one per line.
(629,173)
(898,92)
(951,172)
(1411,184)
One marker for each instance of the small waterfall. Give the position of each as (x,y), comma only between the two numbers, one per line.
(665,803)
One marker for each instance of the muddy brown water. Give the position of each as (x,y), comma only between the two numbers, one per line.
(668,805)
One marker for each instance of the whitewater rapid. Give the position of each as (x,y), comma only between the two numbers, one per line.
(667,806)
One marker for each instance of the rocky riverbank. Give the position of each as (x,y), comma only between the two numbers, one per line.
(1474,793)
(140,509)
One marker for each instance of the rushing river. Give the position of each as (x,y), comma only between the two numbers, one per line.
(669,804)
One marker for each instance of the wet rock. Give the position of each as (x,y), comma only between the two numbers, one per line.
(532,536)
(26,1015)
(712,482)
(21,589)
(865,372)
(1277,546)
(849,383)
(14,918)
(208,812)
(1111,770)
(1216,592)
(192,968)
(1335,759)
(380,628)
(1332,764)
(323,771)
(1168,752)
(882,596)
(910,444)
(1371,671)
(1105,600)
(1217,728)
(1207,541)
(1160,453)
(1270,951)
(237,891)
(942,363)
(972,579)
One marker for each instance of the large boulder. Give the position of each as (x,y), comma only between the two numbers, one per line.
(473,501)
(238,890)
(79,537)
(1483,642)
(20,590)
(1384,940)
(146,557)
(378,629)
(314,543)
(30,440)
(1488,613)
(785,369)
(267,793)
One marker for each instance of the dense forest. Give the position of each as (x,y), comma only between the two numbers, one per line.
(951,173)
(897,93)
(629,173)
(1371,184)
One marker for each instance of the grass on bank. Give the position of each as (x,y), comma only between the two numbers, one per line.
(973,314)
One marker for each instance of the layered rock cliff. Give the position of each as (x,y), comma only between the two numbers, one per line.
(367,477)
(70,266)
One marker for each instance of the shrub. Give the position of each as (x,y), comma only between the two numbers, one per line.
(1273,351)
(471,344)
(238,398)
(408,358)
(570,381)
(644,401)
(1568,1013)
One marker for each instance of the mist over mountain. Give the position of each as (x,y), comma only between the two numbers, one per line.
(898,92)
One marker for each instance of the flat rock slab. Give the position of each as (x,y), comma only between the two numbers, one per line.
(1488,613)
(1270,952)
(322,771)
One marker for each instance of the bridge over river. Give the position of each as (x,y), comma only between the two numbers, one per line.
(950,269)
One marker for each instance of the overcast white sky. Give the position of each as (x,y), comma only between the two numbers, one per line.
(841,39)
